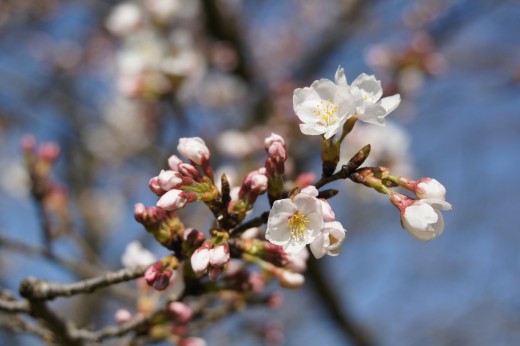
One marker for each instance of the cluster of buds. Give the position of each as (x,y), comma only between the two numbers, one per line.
(421,217)
(165,226)
(185,182)
(160,274)
(211,258)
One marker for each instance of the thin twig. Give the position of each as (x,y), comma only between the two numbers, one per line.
(33,288)
(257,221)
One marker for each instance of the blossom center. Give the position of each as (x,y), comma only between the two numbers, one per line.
(327,111)
(298,224)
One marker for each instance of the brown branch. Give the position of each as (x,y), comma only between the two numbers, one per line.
(257,221)
(338,312)
(14,305)
(17,323)
(33,288)
(136,323)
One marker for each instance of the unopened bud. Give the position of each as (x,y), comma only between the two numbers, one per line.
(219,255)
(189,170)
(174,162)
(180,311)
(172,200)
(154,186)
(358,159)
(169,180)
(214,272)
(194,149)
(140,212)
(162,280)
(49,151)
(192,341)
(122,316)
(200,258)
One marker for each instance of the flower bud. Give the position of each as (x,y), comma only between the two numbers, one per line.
(174,162)
(151,273)
(194,149)
(162,281)
(290,279)
(122,316)
(430,188)
(214,272)
(219,255)
(169,180)
(180,311)
(49,151)
(273,138)
(172,200)
(154,186)
(192,341)
(259,183)
(188,170)
(200,258)
(140,212)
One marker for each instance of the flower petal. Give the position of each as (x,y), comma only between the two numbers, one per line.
(390,103)
(374,114)
(325,88)
(305,102)
(340,78)
(370,86)
(293,247)
(317,246)
(312,129)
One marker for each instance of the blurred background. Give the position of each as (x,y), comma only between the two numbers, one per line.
(115,84)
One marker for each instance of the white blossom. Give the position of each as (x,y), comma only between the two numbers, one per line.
(423,218)
(324,107)
(136,256)
(329,241)
(367,92)
(294,223)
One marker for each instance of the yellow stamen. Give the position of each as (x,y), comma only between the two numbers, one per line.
(327,112)
(298,224)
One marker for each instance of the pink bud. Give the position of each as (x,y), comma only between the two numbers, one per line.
(188,170)
(154,186)
(181,312)
(277,152)
(140,212)
(151,273)
(172,200)
(192,341)
(200,258)
(174,163)
(169,180)
(122,316)
(259,183)
(273,138)
(326,209)
(49,151)
(214,272)
(28,143)
(219,255)
(194,149)
(162,281)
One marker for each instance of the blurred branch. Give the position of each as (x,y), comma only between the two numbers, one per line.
(32,288)
(338,311)
(17,323)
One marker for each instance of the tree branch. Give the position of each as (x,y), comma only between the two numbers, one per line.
(33,288)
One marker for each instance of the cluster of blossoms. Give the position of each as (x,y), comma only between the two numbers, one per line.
(227,257)
(158,50)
